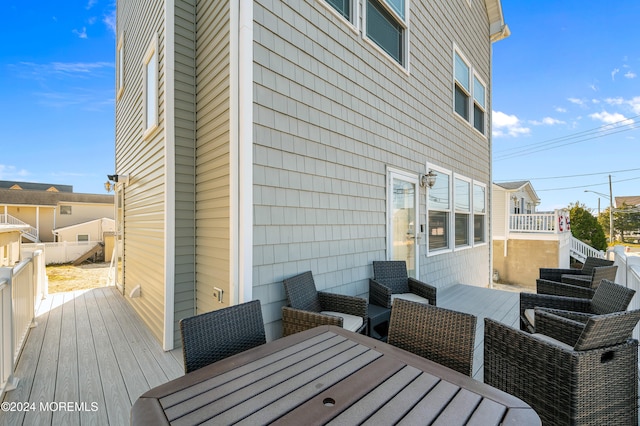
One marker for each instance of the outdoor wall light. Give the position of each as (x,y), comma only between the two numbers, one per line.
(428,180)
(115,179)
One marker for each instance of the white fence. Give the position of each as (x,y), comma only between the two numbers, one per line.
(62,252)
(581,251)
(21,289)
(629,276)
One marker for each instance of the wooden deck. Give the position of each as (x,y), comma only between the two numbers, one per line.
(90,348)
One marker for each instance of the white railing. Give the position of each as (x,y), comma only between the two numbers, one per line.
(581,251)
(547,223)
(31,232)
(629,276)
(21,289)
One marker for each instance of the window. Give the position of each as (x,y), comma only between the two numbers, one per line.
(439,211)
(65,209)
(479,213)
(464,89)
(386,27)
(343,7)
(120,67)
(151,88)
(82,238)
(462,197)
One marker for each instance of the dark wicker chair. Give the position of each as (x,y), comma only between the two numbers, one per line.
(212,336)
(308,308)
(390,281)
(441,335)
(608,297)
(591,379)
(555,274)
(578,285)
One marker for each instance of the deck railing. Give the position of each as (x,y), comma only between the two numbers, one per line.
(548,223)
(581,251)
(30,232)
(628,275)
(21,288)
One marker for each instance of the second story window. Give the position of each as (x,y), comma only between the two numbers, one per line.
(120,67)
(151,88)
(386,26)
(343,7)
(467,87)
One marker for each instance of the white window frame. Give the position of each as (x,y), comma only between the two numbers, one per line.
(471,97)
(440,171)
(78,240)
(403,22)
(120,67)
(476,213)
(150,86)
(66,210)
(353,19)
(468,212)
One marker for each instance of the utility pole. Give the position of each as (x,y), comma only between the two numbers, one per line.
(610,211)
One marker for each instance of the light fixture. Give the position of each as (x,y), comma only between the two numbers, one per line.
(428,180)
(108,185)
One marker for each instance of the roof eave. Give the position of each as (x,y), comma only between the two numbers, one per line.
(498,29)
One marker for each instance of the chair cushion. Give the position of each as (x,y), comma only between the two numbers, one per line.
(548,339)
(349,322)
(409,296)
(529,314)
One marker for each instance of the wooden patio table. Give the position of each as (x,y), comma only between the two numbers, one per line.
(328,375)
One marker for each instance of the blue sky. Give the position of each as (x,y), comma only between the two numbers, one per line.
(566,99)
(57,83)
(566,96)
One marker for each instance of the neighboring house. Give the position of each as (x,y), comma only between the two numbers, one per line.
(260,139)
(93,230)
(524,239)
(10,237)
(47,209)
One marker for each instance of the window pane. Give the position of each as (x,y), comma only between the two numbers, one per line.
(478,92)
(462,195)
(478,229)
(438,230)
(462,72)
(439,194)
(461,102)
(151,88)
(120,68)
(479,199)
(462,229)
(384,30)
(398,6)
(342,6)
(478,118)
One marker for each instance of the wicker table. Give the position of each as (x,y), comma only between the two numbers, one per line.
(328,375)
(378,321)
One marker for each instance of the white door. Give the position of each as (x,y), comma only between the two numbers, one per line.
(402,222)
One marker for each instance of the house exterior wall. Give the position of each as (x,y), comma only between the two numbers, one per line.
(41,217)
(213,169)
(82,212)
(526,257)
(499,213)
(331,114)
(95,229)
(144,161)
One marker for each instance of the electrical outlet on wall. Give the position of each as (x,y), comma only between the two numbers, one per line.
(217,294)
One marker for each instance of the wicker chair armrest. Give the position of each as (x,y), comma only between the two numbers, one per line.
(581,317)
(532,300)
(554,274)
(549,323)
(423,289)
(579,280)
(379,294)
(563,289)
(296,320)
(351,305)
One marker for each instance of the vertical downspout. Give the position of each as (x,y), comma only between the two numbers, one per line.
(241,152)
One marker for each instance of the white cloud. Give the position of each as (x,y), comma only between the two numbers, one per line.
(507,125)
(593,87)
(60,69)
(635,105)
(576,101)
(611,118)
(12,172)
(91,4)
(110,21)
(548,121)
(614,101)
(560,109)
(81,33)
(630,75)
(614,72)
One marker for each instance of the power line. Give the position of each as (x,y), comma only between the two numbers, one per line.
(624,125)
(585,186)
(570,176)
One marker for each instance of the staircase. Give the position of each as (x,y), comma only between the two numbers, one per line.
(580,251)
(30,233)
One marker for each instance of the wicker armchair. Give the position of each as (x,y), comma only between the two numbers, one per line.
(555,274)
(591,379)
(441,335)
(308,308)
(390,281)
(608,297)
(212,336)
(578,285)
